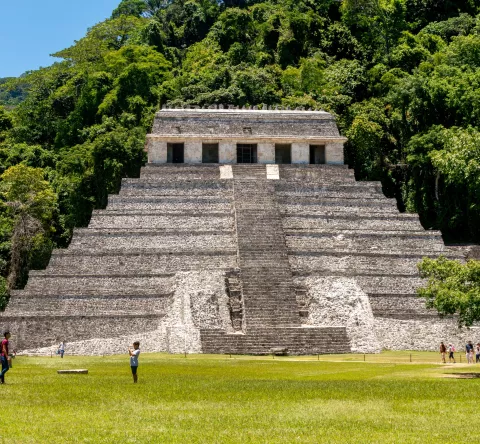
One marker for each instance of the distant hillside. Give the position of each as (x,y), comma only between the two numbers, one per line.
(11,95)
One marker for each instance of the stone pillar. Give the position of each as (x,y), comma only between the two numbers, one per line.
(227,152)
(266,153)
(193,151)
(157,150)
(300,153)
(334,153)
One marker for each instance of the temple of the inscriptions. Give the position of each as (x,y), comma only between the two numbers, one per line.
(245,233)
(231,136)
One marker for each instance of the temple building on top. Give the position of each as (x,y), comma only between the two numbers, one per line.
(230,136)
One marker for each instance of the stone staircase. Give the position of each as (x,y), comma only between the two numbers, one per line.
(262,341)
(271,310)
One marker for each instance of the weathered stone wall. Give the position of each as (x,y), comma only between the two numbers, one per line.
(340,302)
(419,333)
(30,332)
(238,123)
(199,301)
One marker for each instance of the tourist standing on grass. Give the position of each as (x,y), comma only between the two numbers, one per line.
(134,359)
(451,355)
(5,357)
(61,349)
(477,353)
(443,352)
(469,352)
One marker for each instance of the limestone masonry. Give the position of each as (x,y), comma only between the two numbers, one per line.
(244,233)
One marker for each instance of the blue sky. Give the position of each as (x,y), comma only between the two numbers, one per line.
(31,30)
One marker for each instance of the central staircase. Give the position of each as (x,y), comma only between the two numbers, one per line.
(271,311)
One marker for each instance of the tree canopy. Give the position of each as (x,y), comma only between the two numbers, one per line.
(401,76)
(453,288)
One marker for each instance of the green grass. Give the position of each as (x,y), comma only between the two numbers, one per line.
(215,399)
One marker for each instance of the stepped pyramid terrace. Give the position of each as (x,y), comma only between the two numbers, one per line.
(244,233)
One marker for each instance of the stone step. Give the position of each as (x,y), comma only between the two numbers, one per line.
(203,171)
(388,305)
(334,223)
(374,203)
(187,213)
(170,208)
(103,240)
(86,305)
(180,223)
(349,190)
(298,341)
(153,188)
(407,235)
(334,209)
(363,243)
(52,283)
(129,263)
(385,284)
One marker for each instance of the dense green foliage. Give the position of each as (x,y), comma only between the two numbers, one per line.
(402,77)
(214,399)
(453,288)
(12,91)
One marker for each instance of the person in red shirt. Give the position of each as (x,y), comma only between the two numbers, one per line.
(4,357)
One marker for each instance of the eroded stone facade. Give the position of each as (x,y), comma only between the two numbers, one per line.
(234,258)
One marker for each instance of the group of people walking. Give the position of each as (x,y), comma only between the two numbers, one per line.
(471,352)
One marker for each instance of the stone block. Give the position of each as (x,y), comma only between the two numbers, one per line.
(334,153)
(157,150)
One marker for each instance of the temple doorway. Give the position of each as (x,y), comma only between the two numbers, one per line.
(246,153)
(317,154)
(283,153)
(210,153)
(175,152)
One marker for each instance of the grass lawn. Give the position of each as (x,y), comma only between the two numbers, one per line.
(215,399)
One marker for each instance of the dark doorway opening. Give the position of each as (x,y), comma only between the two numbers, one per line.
(283,153)
(246,153)
(317,154)
(210,153)
(175,153)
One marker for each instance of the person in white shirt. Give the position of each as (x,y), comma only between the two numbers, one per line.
(451,353)
(61,349)
(134,359)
